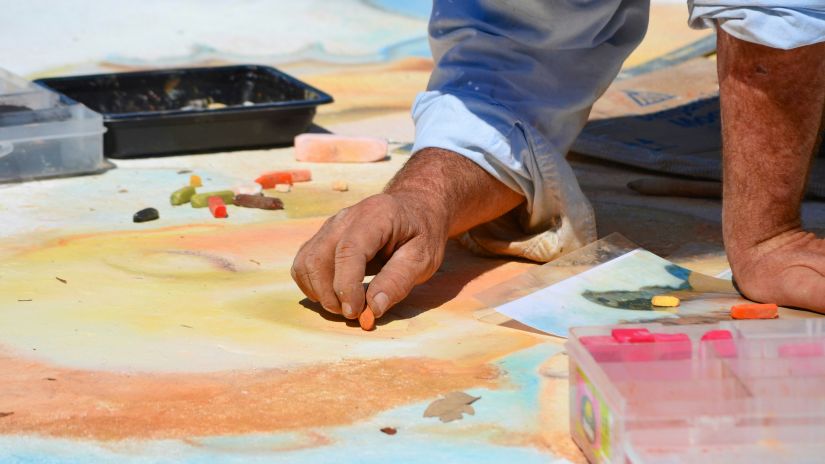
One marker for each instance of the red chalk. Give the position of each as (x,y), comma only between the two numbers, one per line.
(217,207)
(623,335)
(271,179)
(640,337)
(332,148)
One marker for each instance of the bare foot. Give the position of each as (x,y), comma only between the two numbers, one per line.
(788,270)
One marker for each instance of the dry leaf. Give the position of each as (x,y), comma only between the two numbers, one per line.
(452,407)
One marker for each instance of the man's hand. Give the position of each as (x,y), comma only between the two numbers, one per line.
(772,108)
(400,234)
(402,238)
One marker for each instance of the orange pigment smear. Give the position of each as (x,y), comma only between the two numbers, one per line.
(63,402)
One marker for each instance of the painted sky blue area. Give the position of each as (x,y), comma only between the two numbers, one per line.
(419,440)
(419,9)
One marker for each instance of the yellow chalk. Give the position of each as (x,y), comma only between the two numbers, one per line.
(195,181)
(664,301)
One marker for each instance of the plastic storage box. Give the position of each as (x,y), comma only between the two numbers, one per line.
(192,110)
(731,392)
(43,134)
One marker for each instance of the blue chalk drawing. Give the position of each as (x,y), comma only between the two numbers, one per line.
(644,98)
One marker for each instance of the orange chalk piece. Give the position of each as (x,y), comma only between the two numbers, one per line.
(217,207)
(754,311)
(271,179)
(332,148)
(367,319)
(195,181)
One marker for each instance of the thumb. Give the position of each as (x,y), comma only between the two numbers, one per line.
(410,265)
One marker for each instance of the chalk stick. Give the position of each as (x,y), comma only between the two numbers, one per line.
(340,186)
(331,148)
(146,215)
(754,311)
(367,319)
(269,180)
(664,301)
(721,341)
(258,201)
(201,200)
(623,335)
(182,195)
(195,181)
(217,207)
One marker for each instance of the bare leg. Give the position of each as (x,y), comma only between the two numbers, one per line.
(772,111)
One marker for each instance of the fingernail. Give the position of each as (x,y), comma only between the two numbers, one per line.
(347,310)
(380,302)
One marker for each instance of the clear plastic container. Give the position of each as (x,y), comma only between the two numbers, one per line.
(43,134)
(731,392)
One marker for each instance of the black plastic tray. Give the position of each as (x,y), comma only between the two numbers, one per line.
(174,111)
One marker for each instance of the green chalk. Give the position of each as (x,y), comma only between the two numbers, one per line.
(200,200)
(182,196)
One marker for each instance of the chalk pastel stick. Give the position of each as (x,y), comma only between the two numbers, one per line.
(181,196)
(271,179)
(217,207)
(754,311)
(331,148)
(258,201)
(201,200)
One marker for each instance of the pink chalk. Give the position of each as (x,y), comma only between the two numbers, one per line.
(624,335)
(602,348)
(722,343)
(673,346)
(331,148)
(801,350)
(717,335)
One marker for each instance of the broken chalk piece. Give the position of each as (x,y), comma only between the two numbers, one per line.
(331,148)
(340,186)
(623,335)
(217,207)
(258,201)
(181,196)
(664,301)
(754,311)
(283,188)
(201,200)
(271,179)
(252,188)
(195,181)
(146,215)
(301,175)
(367,319)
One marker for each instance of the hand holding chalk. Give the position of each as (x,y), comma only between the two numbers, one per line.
(403,241)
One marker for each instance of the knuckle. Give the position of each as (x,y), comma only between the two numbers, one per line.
(346,249)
